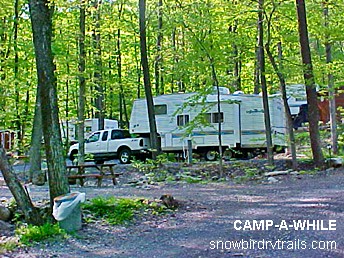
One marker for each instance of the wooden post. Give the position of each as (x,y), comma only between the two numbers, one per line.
(189,151)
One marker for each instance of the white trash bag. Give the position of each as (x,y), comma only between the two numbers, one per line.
(65,204)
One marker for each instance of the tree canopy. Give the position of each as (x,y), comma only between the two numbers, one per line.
(178,32)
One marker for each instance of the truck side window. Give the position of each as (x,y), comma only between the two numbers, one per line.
(94,137)
(116,135)
(105,136)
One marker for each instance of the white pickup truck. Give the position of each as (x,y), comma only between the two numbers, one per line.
(111,144)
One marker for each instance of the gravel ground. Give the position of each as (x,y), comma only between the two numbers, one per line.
(207,218)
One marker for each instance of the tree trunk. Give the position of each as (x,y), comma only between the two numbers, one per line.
(32,214)
(263,83)
(331,97)
(158,57)
(236,58)
(98,81)
(313,112)
(18,121)
(124,123)
(286,108)
(219,124)
(257,86)
(155,143)
(37,177)
(82,84)
(41,13)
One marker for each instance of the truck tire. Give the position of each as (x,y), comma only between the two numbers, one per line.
(124,156)
(73,155)
(210,155)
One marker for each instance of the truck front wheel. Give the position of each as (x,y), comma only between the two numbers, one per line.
(124,156)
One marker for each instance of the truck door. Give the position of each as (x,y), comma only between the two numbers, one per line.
(97,142)
(103,144)
(93,143)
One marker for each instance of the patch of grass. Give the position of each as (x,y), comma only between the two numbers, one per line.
(308,172)
(8,245)
(29,234)
(250,173)
(117,211)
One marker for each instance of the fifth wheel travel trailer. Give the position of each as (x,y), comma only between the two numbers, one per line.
(91,125)
(178,119)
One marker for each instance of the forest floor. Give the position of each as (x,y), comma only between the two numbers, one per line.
(204,225)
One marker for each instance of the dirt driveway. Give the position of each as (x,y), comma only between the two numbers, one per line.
(208,224)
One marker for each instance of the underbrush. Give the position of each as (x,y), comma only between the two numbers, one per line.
(116,211)
(27,235)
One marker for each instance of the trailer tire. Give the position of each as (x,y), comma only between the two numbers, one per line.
(228,154)
(124,156)
(210,155)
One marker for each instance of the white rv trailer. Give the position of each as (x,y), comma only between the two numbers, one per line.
(242,117)
(91,125)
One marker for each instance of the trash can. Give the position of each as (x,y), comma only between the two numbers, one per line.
(67,210)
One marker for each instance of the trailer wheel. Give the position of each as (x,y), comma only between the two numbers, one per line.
(227,154)
(210,155)
(124,156)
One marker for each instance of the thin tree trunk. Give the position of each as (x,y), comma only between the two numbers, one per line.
(286,108)
(123,107)
(155,143)
(16,79)
(41,13)
(313,112)
(158,57)
(36,174)
(219,124)
(31,213)
(331,97)
(98,66)
(66,143)
(236,58)
(257,86)
(263,83)
(82,84)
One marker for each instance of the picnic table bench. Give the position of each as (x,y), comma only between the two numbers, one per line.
(102,168)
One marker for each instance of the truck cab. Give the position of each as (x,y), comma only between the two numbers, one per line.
(111,144)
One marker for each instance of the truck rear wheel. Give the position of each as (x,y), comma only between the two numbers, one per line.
(124,156)
(73,155)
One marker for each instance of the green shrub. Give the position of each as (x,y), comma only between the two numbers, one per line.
(120,210)
(29,234)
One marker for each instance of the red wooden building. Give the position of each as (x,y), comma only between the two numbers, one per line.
(7,139)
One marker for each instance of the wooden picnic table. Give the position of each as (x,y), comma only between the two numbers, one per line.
(102,168)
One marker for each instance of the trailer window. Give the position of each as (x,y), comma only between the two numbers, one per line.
(160,109)
(213,117)
(207,117)
(216,118)
(182,120)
